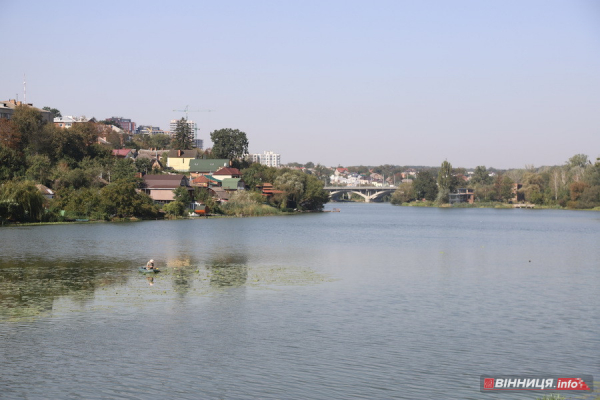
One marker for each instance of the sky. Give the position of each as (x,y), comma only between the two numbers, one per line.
(497,83)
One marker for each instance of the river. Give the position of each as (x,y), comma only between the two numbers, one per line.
(373,302)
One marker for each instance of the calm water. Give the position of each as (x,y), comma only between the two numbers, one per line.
(374,302)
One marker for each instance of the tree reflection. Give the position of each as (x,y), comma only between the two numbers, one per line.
(29,288)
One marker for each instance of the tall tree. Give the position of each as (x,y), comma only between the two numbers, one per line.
(424,186)
(231,144)
(446,181)
(183,137)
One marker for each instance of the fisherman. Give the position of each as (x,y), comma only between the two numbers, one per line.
(150,265)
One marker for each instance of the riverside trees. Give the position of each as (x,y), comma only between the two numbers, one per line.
(575,184)
(86,179)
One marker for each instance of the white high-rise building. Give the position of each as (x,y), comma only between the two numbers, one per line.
(193,127)
(268,158)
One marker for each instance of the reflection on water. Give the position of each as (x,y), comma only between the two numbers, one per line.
(29,288)
(32,288)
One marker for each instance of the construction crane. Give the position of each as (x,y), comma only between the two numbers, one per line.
(187,110)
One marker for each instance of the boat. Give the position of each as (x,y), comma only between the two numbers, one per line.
(143,270)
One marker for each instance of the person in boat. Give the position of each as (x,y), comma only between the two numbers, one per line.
(150,265)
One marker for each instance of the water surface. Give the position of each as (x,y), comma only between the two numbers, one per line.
(373,302)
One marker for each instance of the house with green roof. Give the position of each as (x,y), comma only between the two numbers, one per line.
(203,166)
(233,184)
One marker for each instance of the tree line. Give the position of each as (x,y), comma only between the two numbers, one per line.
(575,185)
(89,182)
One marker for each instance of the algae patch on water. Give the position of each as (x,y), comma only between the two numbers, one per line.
(285,276)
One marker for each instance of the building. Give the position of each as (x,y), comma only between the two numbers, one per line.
(180,160)
(149,130)
(203,166)
(68,121)
(7,108)
(126,124)
(462,195)
(124,153)
(227,172)
(196,142)
(268,158)
(161,187)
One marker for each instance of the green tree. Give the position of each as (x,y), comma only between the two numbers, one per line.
(424,186)
(175,209)
(404,194)
(231,144)
(533,187)
(30,124)
(55,112)
(143,164)
(11,163)
(503,188)
(123,169)
(481,176)
(258,174)
(121,199)
(40,169)
(578,160)
(293,186)
(21,201)
(159,141)
(314,197)
(183,195)
(183,138)
(446,181)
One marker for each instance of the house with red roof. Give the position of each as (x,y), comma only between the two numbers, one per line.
(124,153)
(227,172)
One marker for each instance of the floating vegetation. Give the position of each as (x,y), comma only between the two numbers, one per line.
(30,291)
(285,276)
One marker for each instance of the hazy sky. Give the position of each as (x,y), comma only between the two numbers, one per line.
(496,83)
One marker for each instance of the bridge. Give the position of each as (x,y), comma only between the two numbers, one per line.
(369,193)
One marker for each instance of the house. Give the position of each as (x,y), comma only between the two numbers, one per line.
(226,172)
(268,191)
(200,181)
(46,192)
(124,153)
(180,160)
(68,121)
(220,193)
(203,166)
(340,171)
(205,181)
(153,156)
(233,184)
(160,187)
(462,195)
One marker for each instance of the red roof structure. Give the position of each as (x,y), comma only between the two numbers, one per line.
(234,172)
